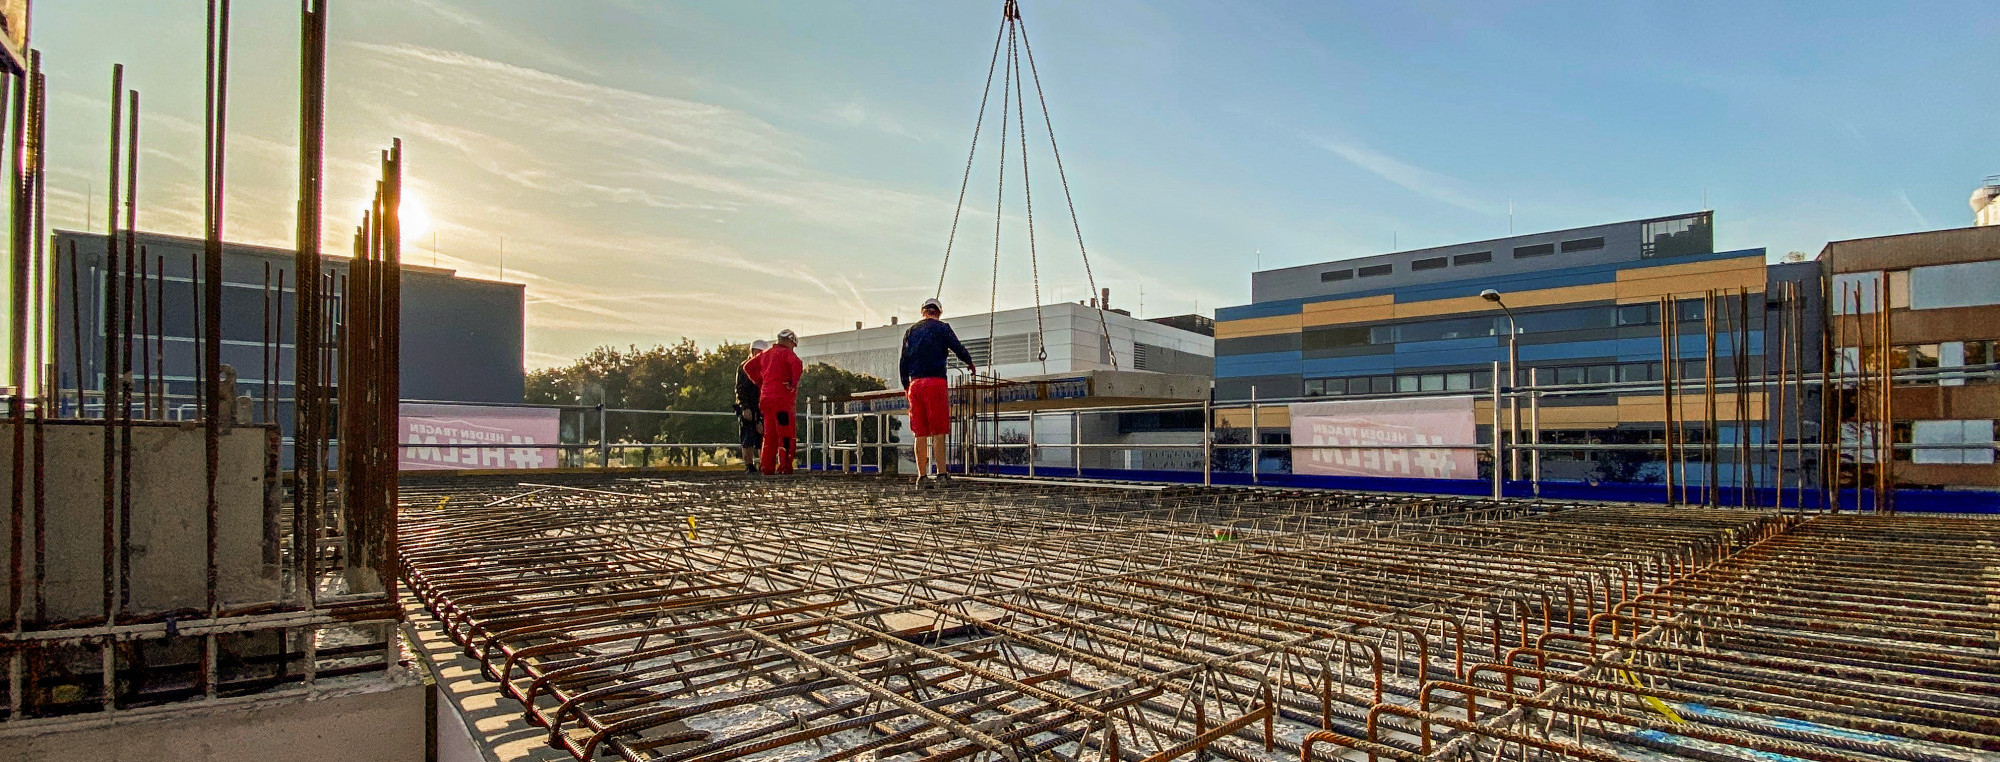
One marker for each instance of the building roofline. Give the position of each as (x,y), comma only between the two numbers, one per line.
(281,252)
(1463,244)
(1830,244)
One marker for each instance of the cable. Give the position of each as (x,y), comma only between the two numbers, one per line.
(976,124)
(1102,324)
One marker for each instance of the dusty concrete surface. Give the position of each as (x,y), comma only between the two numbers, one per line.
(383,720)
(168,550)
(491,723)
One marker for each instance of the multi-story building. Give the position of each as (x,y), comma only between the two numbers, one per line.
(1586,310)
(462,338)
(1942,293)
(1070,336)
(1150,361)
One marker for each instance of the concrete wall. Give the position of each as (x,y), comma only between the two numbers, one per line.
(168,551)
(386,722)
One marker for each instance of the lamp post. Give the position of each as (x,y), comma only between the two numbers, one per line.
(1513,380)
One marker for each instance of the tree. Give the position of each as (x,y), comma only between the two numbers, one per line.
(682,377)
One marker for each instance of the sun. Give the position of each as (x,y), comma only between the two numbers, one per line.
(415,218)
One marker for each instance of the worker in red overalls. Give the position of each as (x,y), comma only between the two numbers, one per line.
(777,373)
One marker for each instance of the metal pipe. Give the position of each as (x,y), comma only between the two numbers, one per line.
(1256,438)
(1535,431)
(1497,459)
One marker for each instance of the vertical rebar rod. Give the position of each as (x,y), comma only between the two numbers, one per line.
(17,336)
(1885,473)
(218,406)
(144,307)
(391,376)
(109,381)
(1667,395)
(76,325)
(124,381)
(159,334)
(264,344)
(1709,452)
(45,334)
(308,393)
(1745,471)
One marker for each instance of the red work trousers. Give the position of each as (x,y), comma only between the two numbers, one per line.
(781,431)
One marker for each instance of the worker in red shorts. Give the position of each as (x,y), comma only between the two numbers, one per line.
(923,369)
(777,373)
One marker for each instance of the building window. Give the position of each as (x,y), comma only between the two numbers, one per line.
(1583,244)
(1677,237)
(1475,258)
(1537,250)
(1338,337)
(1857,293)
(1334,275)
(1433,263)
(1457,382)
(1406,384)
(1639,314)
(1958,434)
(1971,284)
(1374,270)
(1315,387)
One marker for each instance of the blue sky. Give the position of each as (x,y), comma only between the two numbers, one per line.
(720,170)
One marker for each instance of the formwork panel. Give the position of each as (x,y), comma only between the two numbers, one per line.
(168,550)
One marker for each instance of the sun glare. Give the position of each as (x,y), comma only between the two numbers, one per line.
(416,219)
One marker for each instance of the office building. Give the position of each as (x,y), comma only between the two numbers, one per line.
(1942,292)
(1587,308)
(462,338)
(1072,336)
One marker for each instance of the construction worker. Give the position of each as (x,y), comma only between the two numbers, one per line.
(777,371)
(749,419)
(923,372)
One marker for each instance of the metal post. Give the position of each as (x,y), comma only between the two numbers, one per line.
(603,439)
(1256,438)
(1535,432)
(1513,398)
(1497,459)
(1208,437)
(1076,441)
(1031,444)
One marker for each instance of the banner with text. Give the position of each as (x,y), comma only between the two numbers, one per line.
(1381,434)
(508,437)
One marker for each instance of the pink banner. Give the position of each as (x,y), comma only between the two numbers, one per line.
(1386,429)
(507,436)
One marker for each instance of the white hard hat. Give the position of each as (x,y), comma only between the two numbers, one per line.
(787,335)
(933,304)
(759,345)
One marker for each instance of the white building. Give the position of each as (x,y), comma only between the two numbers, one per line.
(1071,334)
(1986,203)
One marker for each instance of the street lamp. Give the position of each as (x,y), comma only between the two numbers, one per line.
(1513,380)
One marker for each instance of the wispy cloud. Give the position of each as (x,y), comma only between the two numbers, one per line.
(1436,185)
(1904,196)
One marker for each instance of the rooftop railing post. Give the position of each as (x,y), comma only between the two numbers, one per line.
(1208,437)
(1076,440)
(1498,460)
(1535,431)
(603,438)
(1031,444)
(1256,439)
